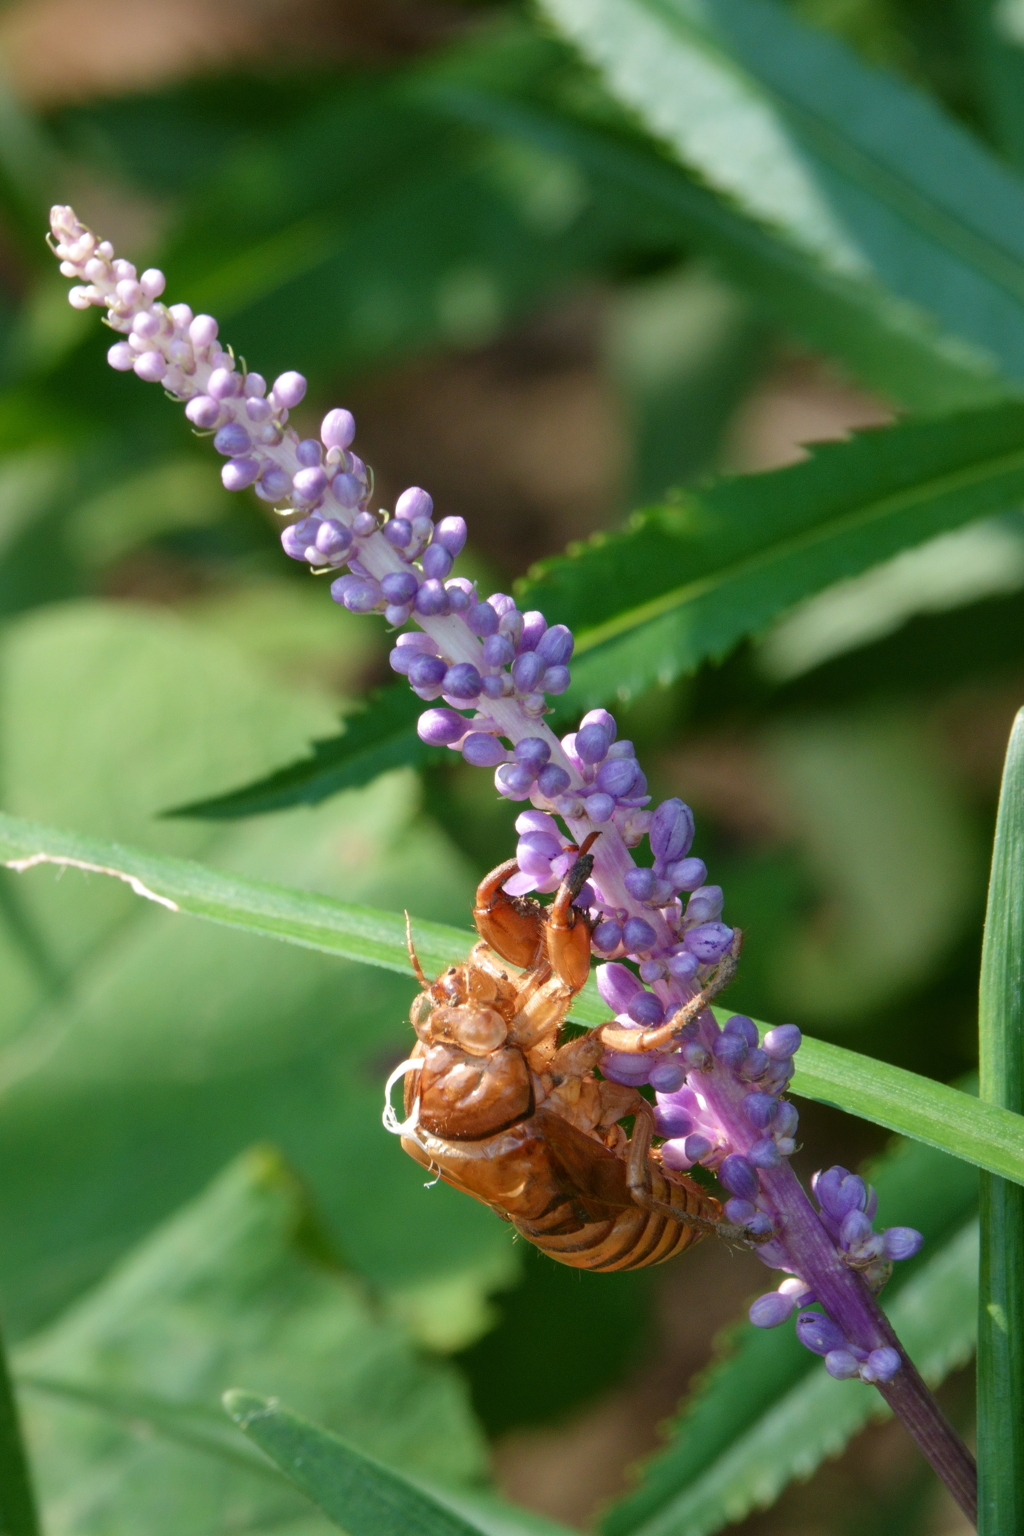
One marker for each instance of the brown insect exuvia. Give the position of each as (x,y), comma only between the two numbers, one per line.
(503,1112)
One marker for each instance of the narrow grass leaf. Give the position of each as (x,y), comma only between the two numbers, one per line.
(18,1515)
(1001,1081)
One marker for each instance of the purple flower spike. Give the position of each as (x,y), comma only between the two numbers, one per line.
(671,831)
(482,751)
(901,1242)
(881,1364)
(607,937)
(638,936)
(782,1042)
(841,1364)
(289,390)
(413,503)
(617,985)
(337,429)
(771,1310)
(737,1175)
(819,1333)
(441,727)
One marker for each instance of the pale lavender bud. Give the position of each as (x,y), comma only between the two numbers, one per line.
(513,781)
(297,538)
(600,717)
(638,935)
(436,562)
(534,626)
(151,367)
(555,680)
(440,727)
(730,1051)
(121,357)
(621,1067)
(737,1175)
(258,411)
(363,524)
(705,905)
(308,484)
(617,776)
(739,1211)
(128,291)
(671,831)
(782,1042)
(819,1333)
(338,428)
(760,1109)
(145,326)
(756,1064)
(349,493)
(309,453)
(232,439)
(527,671)
(223,384)
(462,681)
(397,614)
(644,1008)
(672,1120)
(275,483)
(450,533)
(739,1024)
(771,1310)
(552,781)
(667,1076)
(839,1192)
(592,743)
(640,883)
(461,595)
(432,599)
(427,671)
(696,1147)
(765,1153)
(901,1242)
(289,389)
(399,586)
(533,751)
(363,596)
(482,751)
(709,942)
(482,620)
(239,474)
(255,385)
(617,985)
(683,966)
(607,937)
(413,503)
(882,1364)
(600,807)
(152,282)
(555,646)
(841,1364)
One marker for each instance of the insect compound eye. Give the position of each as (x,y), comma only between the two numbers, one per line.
(478,1030)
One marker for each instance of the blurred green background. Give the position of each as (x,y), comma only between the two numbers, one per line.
(544,348)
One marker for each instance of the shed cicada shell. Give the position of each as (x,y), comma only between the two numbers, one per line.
(502,1111)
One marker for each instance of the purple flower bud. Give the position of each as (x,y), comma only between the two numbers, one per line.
(296,539)
(534,626)
(686,874)
(671,831)
(730,1051)
(705,905)
(527,671)
(426,671)
(203,411)
(841,1364)
(849,1193)
(514,781)
(462,681)
(555,646)
(667,1076)
(764,1153)
(756,1063)
(415,502)
(555,680)
(672,1119)
(882,1364)
(623,1067)
(607,936)
(739,1024)
(223,384)
(309,453)
(552,781)
(349,493)
(533,751)
(202,330)
(432,600)
(275,483)
(436,562)
(617,776)
(399,586)
(682,967)
(363,524)
(901,1242)
(363,596)
(738,1177)
(239,474)
(289,389)
(232,439)
(644,1008)
(308,484)
(450,533)
(771,1310)
(696,1147)
(638,935)
(121,357)
(760,1109)
(709,942)
(482,751)
(739,1211)
(617,985)
(482,620)
(498,650)
(819,1333)
(783,1041)
(592,743)
(855,1229)
(640,883)
(542,843)
(440,727)
(151,367)
(338,428)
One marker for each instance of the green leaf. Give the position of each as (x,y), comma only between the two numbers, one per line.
(685,582)
(240,1283)
(737,1402)
(902,1101)
(935,1317)
(380,736)
(17,1498)
(354,1491)
(1001,1081)
(856,168)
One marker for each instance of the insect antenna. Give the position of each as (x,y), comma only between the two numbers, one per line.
(414,958)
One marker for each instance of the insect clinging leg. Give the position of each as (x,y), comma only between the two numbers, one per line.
(568,930)
(640,1041)
(512,925)
(638,1173)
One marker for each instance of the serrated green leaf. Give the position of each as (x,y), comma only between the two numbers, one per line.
(357,1493)
(380,736)
(686,582)
(855,167)
(761,1368)
(942,1117)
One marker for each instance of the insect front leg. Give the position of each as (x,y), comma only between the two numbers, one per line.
(568,930)
(638,1175)
(512,925)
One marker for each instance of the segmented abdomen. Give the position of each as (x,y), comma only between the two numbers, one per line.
(633,1238)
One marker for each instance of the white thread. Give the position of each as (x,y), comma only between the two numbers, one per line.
(391,1121)
(20,866)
